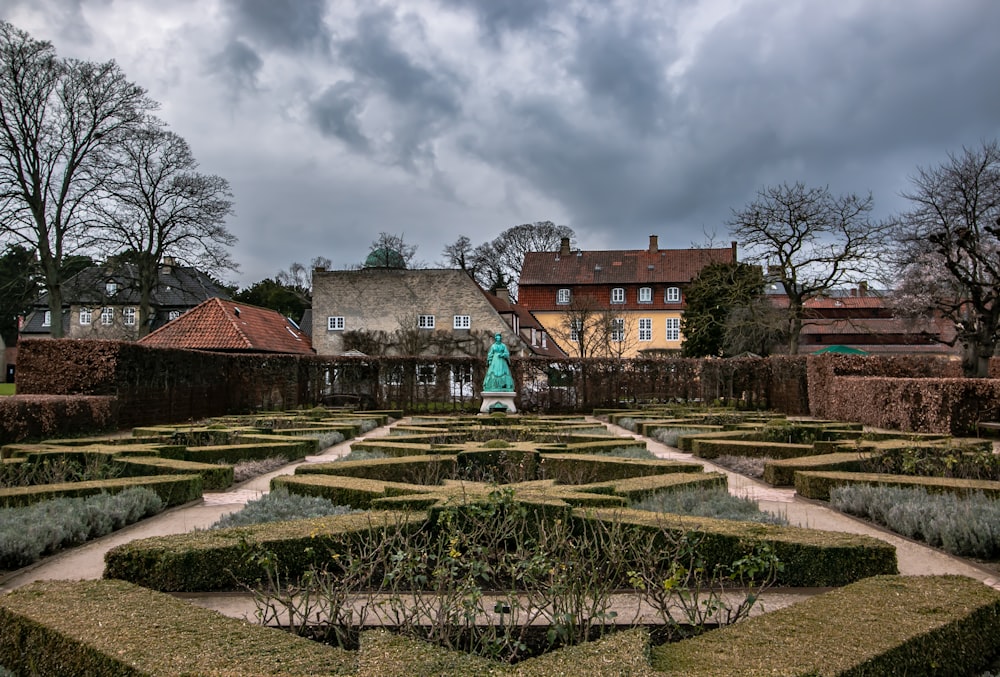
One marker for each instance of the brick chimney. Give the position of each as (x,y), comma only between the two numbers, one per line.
(564,247)
(502,293)
(654,245)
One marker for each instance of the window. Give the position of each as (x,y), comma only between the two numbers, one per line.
(618,329)
(425,322)
(335,323)
(462,322)
(47,319)
(563,296)
(173,315)
(107,316)
(673,329)
(673,295)
(128,316)
(645,329)
(111,288)
(426,374)
(575,329)
(618,295)
(85,316)
(645,294)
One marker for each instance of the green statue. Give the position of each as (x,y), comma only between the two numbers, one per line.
(498,376)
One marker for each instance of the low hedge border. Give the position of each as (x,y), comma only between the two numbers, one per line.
(686,442)
(234,453)
(810,558)
(356,492)
(638,488)
(219,559)
(388,447)
(403,469)
(703,448)
(214,477)
(112,628)
(577,469)
(883,626)
(173,489)
(781,473)
(817,484)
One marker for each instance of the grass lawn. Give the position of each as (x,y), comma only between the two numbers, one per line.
(6,388)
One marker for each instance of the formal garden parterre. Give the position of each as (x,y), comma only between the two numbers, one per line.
(474,495)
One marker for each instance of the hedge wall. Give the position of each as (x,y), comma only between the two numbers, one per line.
(35,417)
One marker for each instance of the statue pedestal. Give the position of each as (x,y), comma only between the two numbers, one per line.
(497,401)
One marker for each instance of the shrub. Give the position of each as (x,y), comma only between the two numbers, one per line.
(363,455)
(716,503)
(57,469)
(940,461)
(280,506)
(327,440)
(629,452)
(751,466)
(628,423)
(245,470)
(669,436)
(967,526)
(28,533)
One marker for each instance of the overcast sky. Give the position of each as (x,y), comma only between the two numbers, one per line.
(334,120)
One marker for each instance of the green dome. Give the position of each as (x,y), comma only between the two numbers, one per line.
(383,257)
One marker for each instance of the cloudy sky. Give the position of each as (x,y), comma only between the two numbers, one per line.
(337,119)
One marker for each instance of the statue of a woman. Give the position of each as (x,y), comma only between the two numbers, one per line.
(498,376)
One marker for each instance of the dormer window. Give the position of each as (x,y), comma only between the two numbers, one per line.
(111,288)
(618,295)
(673,295)
(645,294)
(563,297)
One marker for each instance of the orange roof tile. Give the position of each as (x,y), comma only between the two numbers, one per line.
(227,325)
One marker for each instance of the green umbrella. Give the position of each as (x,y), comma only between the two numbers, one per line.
(846,350)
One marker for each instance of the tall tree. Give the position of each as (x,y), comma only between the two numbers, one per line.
(276,295)
(458,254)
(498,263)
(949,246)
(717,301)
(18,288)
(157,204)
(59,122)
(811,241)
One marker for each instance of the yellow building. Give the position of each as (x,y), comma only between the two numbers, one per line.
(619,303)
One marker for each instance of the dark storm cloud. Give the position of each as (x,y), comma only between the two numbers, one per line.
(290,25)
(420,98)
(336,113)
(509,15)
(65,15)
(238,65)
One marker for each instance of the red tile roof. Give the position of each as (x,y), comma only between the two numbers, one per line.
(527,321)
(634,266)
(227,325)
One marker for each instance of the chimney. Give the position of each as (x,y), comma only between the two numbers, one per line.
(862,288)
(733,245)
(564,247)
(654,245)
(502,293)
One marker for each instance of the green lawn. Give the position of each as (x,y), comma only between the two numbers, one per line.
(6,388)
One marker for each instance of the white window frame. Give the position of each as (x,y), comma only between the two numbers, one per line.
(618,294)
(645,294)
(645,329)
(111,288)
(426,374)
(564,296)
(462,322)
(107,316)
(425,322)
(47,318)
(86,317)
(618,329)
(672,295)
(575,329)
(673,329)
(128,316)
(335,323)
(173,315)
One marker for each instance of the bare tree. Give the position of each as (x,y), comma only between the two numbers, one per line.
(498,263)
(949,246)
(59,122)
(587,329)
(811,241)
(390,251)
(458,254)
(157,204)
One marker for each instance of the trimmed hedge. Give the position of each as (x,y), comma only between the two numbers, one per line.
(638,488)
(883,626)
(406,469)
(234,453)
(111,628)
(818,484)
(576,469)
(356,492)
(35,417)
(714,448)
(173,489)
(781,473)
(810,558)
(219,559)
(214,477)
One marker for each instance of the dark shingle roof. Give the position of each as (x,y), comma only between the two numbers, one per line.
(178,286)
(634,266)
